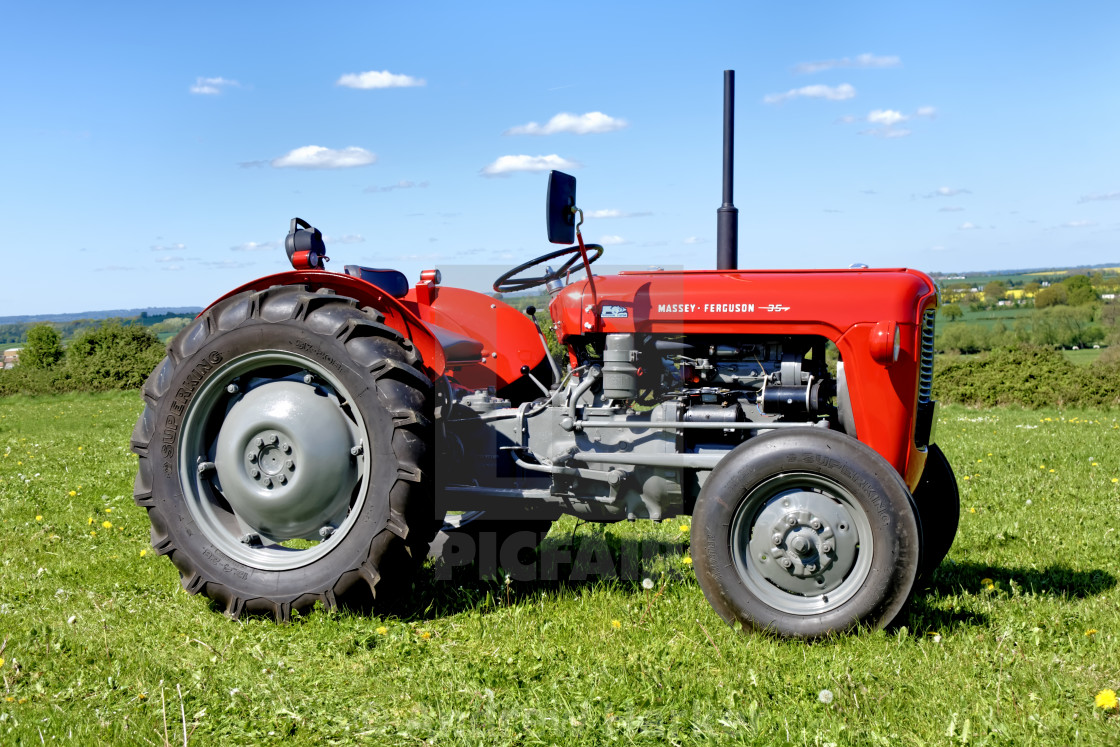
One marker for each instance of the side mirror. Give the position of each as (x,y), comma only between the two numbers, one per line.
(561,208)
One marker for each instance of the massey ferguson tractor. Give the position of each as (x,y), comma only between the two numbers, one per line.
(307,434)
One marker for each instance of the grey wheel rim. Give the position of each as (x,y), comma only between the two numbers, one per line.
(801,543)
(272,451)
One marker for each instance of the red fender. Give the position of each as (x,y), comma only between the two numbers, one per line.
(396,314)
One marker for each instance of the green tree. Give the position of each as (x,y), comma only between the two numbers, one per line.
(1031,288)
(1054,295)
(44,347)
(952,312)
(112,357)
(995,291)
(1079,290)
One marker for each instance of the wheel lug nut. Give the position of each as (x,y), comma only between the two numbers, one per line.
(356,450)
(791,520)
(785,563)
(254,473)
(233,389)
(777,538)
(286,447)
(258,442)
(253,457)
(283,479)
(268,482)
(826,547)
(290,465)
(815,524)
(326,531)
(308,379)
(273,440)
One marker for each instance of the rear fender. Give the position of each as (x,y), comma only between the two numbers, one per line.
(396,314)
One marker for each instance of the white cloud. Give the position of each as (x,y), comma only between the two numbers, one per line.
(968,226)
(830,93)
(168,248)
(252,246)
(1099,197)
(926,112)
(212,86)
(403,184)
(375,79)
(612,213)
(695,240)
(611,240)
(512,164)
(887,117)
(948,192)
(859,61)
(169,258)
(317,157)
(1078,224)
(592,123)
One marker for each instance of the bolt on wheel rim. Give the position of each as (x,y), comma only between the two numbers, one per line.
(801,543)
(271,459)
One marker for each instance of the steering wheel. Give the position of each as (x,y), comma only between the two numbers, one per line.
(507,283)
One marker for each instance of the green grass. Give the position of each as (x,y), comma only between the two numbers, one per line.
(102,646)
(1084,356)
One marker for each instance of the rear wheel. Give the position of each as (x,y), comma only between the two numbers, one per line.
(283,453)
(805,533)
(939,506)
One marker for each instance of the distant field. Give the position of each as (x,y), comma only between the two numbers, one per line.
(1018,634)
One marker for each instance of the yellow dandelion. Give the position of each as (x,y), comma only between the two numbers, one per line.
(1115,479)
(1095,464)
(80,448)
(616,624)
(1052,470)
(1106,699)
(109,510)
(684,528)
(425,635)
(1,662)
(143,552)
(73,493)
(971,510)
(1042,466)
(142,696)
(987,582)
(687,560)
(382,630)
(39,517)
(93,533)
(1091,631)
(978,461)
(967,477)
(89,521)
(107,525)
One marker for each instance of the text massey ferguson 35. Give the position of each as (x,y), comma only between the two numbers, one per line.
(306,430)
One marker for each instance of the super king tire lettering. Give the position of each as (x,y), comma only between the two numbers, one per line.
(268,513)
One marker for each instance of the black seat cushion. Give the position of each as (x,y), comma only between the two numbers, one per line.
(392,282)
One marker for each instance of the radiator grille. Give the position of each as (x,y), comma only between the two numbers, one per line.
(925,370)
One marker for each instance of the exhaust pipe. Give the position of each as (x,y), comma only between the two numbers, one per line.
(727,216)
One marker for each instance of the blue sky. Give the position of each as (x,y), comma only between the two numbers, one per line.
(154,154)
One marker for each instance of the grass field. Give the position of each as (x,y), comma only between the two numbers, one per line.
(1017,636)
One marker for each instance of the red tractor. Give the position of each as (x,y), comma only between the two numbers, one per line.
(304,431)
(307,433)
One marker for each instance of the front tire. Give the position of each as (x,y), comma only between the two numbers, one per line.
(284,454)
(805,533)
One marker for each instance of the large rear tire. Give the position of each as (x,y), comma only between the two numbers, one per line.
(805,533)
(939,506)
(284,454)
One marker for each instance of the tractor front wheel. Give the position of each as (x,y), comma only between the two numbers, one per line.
(284,453)
(805,533)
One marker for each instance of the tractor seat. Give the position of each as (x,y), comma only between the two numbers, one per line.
(457,348)
(392,282)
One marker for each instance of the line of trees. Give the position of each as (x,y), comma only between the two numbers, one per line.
(110,356)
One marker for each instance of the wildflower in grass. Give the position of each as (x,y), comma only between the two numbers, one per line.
(1106,699)
(382,630)
(93,533)
(143,552)
(1115,479)
(987,583)
(425,635)
(616,624)
(73,493)
(825,696)
(107,524)
(1091,631)
(1,662)
(39,517)
(684,528)
(968,478)
(142,696)
(647,583)
(973,509)
(687,560)
(89,521)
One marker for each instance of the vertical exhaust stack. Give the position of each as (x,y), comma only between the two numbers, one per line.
(727,217)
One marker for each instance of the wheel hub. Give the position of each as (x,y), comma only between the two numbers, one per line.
(803,542)
(284,461)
